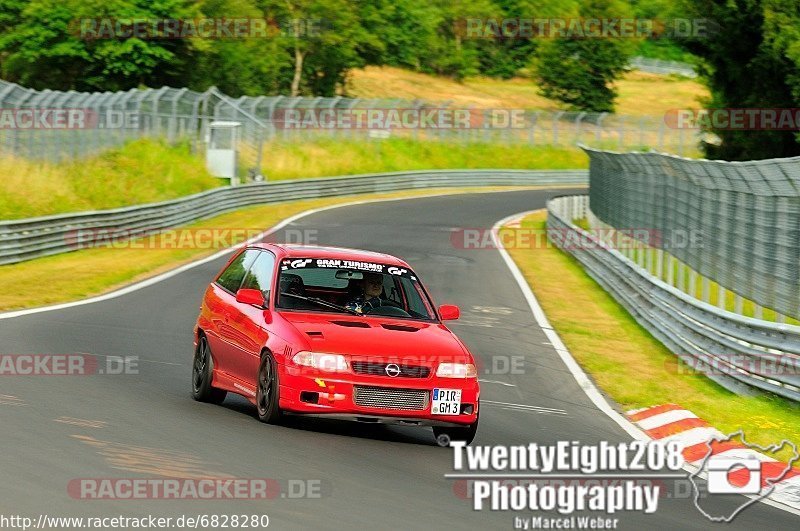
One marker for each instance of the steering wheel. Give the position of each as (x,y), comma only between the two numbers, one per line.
(391,302)
(389,310)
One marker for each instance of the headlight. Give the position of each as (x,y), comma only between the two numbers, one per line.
(321,361)
(456,370)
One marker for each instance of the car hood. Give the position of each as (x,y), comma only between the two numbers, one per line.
(378,338)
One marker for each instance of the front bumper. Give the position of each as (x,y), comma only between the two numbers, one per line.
(334,393)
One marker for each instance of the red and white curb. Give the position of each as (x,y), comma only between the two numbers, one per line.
(670,422)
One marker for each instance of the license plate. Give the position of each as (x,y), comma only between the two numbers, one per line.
(446,402)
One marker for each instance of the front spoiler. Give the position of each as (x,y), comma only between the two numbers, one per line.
(379,419)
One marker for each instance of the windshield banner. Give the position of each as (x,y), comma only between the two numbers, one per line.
(357,265)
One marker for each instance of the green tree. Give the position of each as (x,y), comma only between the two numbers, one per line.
(45,49)
(752,60)
(507,57)
(252,66)
(580,71)
(319,39)
(398,32)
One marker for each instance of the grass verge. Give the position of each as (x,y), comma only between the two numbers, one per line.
(148,170)
(629,364)
(325,156)
(142,171)
(89,272)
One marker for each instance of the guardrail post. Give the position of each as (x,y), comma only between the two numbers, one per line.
(670,270)
(660,264)
(640,253)
(9,239)
(738,304)
(692,282)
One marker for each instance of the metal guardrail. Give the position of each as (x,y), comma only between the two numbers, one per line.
(25,239)
(743,353)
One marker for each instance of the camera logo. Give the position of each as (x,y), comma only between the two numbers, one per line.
(740,467)
(722,472)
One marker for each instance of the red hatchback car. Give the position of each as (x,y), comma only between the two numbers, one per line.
(333,332)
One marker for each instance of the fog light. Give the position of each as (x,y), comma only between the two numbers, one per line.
(467,409)
(309,397)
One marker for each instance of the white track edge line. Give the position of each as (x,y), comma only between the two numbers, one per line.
(592,392)
(566,356)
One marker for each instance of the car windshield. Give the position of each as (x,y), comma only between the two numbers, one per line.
(353,287)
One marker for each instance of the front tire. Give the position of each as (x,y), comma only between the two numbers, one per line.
(202,371)
(267,391)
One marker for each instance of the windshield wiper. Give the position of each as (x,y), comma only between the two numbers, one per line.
(321,303)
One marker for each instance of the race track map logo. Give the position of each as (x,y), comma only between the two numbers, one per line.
(740,471)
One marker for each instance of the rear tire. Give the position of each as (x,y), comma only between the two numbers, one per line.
(445,434)
(267,391)
(202,371)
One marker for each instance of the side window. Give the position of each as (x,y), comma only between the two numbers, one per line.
(260,275)
(232,277)
(417,303)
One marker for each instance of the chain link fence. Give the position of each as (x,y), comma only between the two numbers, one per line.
(744,217)
(662,66)
(54,125)
(740,353)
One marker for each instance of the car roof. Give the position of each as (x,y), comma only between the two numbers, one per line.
(317,251)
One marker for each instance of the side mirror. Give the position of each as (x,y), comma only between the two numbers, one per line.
(253,297)
(449,312)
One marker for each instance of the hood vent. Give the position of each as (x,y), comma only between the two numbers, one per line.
(400,328)
(314,333)
(352,324)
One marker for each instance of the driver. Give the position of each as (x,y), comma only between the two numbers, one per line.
(370,289)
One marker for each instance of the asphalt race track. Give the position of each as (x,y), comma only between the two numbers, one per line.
(147,425)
